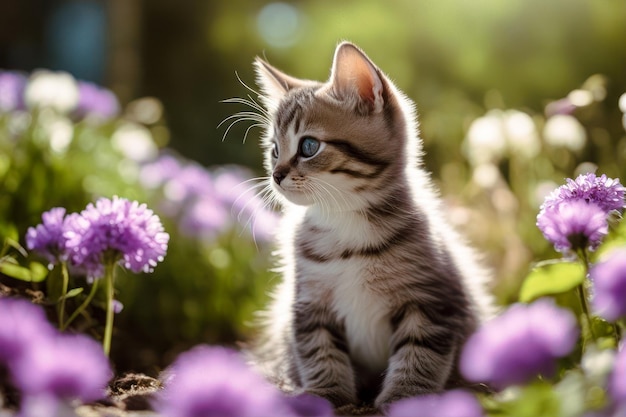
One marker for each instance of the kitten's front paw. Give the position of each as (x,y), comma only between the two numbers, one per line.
(336,395)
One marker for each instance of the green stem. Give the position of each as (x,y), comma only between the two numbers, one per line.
(65,282)
(582,296)
(109,276)
(582,293)
(82,307)
(618,333)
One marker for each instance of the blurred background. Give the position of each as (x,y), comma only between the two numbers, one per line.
(513,97)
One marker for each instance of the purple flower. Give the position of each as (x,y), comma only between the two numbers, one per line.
(617,381)
(156,173)
(117,230)
(456,403)
(23,324)
(66,367)
(305,405)
(216,382)
(96,101)
(48,238)
(572,225)
(606,192)
(518,345)
(609,286)
(206,216)
(230,185)
(12,85)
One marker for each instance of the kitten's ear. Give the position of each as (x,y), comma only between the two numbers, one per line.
(274,83)
(354,74)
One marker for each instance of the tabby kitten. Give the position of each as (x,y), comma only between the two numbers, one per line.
(378,292)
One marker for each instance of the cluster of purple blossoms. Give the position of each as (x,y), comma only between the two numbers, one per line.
(12,85)
(112,230)
(91,100)
(49,369)
(214,381)
(48,238)
(204,202)
(520,344)
(575,216)
(455,403)
(96,101)
(609,285)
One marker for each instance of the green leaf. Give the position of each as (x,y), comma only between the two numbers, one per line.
(537,399)
(16,245)
(72,293)
(38,272)
(15,271)
(550,279)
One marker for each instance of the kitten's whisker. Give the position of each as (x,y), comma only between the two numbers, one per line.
(250,127)
(260,183)
(240,117)
(245,115)
(248,190)
(265,198)
(325,206)
(326,184)
(252,104)
(250,201)
(252,90)
(268,198)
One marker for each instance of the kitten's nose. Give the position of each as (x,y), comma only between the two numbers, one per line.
(279,176)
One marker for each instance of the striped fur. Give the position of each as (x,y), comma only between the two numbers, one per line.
(378,292)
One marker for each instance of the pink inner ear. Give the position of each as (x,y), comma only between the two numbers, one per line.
(354,73)
(365,81)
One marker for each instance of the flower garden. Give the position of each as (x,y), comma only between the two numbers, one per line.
(120,255)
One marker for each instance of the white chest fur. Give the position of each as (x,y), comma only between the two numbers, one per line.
(366,317)
(364,312)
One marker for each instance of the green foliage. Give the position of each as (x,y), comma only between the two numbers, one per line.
(551,278)
(35,272)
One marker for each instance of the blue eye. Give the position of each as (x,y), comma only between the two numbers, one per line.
(275,151)
(309,146)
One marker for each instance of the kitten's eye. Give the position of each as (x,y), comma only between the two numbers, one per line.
(275,151)
(309,146)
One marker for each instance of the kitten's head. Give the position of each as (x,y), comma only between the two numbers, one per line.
(336,144)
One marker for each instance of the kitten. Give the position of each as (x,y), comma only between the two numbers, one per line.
(378,293)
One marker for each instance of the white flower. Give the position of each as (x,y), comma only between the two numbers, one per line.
(56,90)
(622,103)
(486,175)
(61,134)
(134,142)
(485,141)
(521,134)
(563,130)
(497,133)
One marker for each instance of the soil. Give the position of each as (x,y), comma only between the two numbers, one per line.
(127,396)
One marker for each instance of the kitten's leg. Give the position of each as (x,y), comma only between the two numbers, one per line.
(422,358)
(322,354)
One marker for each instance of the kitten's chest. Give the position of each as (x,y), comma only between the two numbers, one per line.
(365,314)
(330,262)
